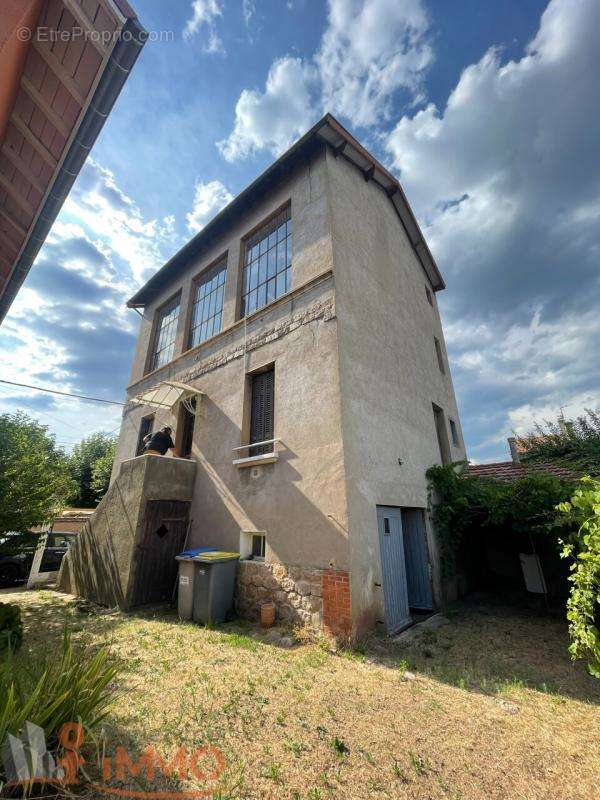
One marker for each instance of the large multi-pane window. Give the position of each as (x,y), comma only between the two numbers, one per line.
(268,263)
(164,336)
(208,305)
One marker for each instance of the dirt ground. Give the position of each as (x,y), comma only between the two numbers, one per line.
(487,707)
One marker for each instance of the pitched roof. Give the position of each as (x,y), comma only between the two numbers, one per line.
(509,471)
(327,131)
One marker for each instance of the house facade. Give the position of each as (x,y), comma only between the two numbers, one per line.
(302,327)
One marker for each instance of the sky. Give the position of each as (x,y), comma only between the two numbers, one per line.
(488,113)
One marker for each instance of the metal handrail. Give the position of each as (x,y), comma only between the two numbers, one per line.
(256,444)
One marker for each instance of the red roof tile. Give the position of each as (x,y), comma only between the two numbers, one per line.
(509,471)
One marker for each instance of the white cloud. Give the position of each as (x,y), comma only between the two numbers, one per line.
(68,328)
(274,118)
(115,222)
(248,10)
(370,50)
(209,199)
(204,16)
(505,182)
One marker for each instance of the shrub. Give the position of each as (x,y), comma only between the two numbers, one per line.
(71,686)
(574,444)
(11,627)
(583,546)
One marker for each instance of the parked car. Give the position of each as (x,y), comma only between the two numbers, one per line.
(17,549)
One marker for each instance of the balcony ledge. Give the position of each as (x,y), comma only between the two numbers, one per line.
(256,461)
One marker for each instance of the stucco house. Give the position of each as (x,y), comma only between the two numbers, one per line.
(296,348)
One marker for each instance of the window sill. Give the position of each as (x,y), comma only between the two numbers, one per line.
(256,461)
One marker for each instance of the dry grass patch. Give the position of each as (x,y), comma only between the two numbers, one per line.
(494,708)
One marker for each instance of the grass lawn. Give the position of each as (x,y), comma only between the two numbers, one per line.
(491,708)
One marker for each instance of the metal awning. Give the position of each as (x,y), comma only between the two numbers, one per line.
(167,394)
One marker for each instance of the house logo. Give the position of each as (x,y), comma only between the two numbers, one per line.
(27,761)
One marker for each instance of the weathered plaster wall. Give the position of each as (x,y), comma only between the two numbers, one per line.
(300,501)
(388,371)
(305,189)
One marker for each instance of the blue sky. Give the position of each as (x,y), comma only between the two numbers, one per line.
(489,113)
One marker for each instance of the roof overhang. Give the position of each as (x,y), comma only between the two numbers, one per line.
(327,131)
(167,395)
(59,83)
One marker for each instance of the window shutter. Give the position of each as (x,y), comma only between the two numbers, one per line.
(262,414)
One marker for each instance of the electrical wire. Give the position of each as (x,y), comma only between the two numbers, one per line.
(63,394)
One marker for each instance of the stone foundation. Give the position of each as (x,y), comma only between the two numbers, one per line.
(296,591)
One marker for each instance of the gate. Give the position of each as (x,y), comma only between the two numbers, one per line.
(163,538)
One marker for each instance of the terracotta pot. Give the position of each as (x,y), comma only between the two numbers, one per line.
(267,615)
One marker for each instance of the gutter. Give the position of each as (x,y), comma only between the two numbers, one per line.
(121,62)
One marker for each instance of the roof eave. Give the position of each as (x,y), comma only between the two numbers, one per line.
(114,76)
(330,132)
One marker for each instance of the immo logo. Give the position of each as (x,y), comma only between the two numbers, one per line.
(27,761)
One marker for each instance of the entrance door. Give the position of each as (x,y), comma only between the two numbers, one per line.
(164,537)
(416,555)
(393,569)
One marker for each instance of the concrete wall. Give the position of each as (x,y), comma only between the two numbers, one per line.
(100,564)
(388,371)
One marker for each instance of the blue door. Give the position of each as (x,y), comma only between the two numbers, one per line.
(393,569)
(416,556)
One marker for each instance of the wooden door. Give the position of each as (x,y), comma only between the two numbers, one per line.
(416,556)
(163,538)
(393,569)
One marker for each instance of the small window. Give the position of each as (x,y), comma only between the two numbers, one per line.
(442,435)
(454,433)
(163,347)
(267,272)
(207,311)
(429,295)
(262,411)
(253,545)
(258,546)
(439,354)
(146,427)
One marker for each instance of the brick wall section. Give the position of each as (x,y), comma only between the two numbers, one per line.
(336,603)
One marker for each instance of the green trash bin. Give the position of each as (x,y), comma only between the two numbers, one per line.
(214,582)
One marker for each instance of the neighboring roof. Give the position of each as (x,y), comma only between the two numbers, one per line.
(509,471)
(327,130)
(55,97)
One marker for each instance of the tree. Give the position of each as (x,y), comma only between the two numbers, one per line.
(35,483)
(102,469)
(573,444)
(95,448)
